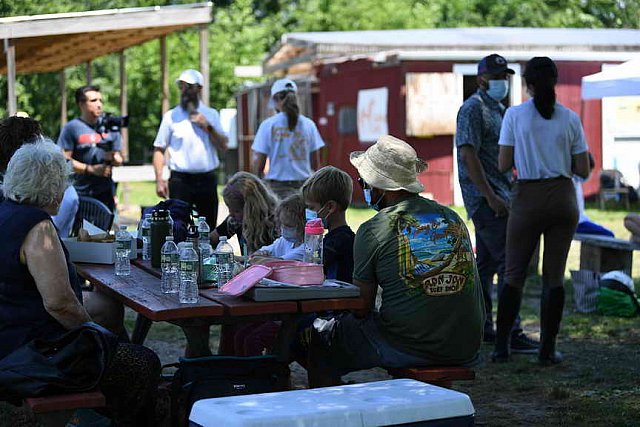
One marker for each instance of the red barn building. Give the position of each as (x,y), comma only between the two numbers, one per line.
(412,82)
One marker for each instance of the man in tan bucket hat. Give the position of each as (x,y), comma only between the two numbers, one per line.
(420,254)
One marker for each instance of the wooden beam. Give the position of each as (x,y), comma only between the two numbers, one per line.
(124,107)
(204,61)
(164,74)
(52,53)
(10,52)
(63,98)
(105,20)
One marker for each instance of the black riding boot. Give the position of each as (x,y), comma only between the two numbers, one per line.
(508,307)
(551,307)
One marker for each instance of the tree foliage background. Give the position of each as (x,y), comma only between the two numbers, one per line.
(242,31)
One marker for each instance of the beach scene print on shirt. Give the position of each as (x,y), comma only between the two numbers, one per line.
(434,252)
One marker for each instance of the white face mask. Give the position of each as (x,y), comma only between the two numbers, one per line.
(498,89)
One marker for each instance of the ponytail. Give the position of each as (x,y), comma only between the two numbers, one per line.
(291,109)
(542,74)
(545,98)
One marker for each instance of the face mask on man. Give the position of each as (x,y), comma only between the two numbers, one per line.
(189,101)
(498,89)
(367,198)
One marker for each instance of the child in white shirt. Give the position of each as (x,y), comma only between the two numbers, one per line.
(291,219)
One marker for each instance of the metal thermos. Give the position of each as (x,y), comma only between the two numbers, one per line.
(160,229)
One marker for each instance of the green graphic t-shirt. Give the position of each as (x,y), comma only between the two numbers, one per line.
(420,254)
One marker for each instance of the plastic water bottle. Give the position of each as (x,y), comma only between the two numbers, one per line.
(203,230)
(192,236)
(188,293)
(123,248)
(145,230)
(313,234)
(170,261)
(224,261)
(208,260)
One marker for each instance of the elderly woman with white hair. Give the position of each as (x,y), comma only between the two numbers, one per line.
(39,293)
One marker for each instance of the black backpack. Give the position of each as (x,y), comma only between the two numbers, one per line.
(180,213)
(219,376)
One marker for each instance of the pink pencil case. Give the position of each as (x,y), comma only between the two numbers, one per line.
(296,272)
(246,280)
(293,272)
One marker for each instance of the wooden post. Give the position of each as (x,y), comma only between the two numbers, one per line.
(204,61)
(10,51)
(164,74)
(124,110)
(89,74)
(63,99)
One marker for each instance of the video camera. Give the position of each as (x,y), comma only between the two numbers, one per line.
(107,122)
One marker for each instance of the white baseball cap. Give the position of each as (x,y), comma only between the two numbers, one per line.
(191,77)
(283,85)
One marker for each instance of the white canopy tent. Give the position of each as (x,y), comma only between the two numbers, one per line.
(620,80)
(615,85)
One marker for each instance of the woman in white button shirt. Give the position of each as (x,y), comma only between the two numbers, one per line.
(289,140)
(545,143)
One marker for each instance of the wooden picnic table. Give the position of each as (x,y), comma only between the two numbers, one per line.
(141,292)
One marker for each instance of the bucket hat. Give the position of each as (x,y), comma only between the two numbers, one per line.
(390,164)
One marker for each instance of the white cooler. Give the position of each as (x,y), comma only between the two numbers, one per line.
(383,403)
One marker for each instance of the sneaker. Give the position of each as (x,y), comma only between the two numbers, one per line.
(522,344)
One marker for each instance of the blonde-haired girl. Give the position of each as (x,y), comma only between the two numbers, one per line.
(251,217)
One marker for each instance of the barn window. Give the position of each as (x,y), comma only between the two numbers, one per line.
(347,120)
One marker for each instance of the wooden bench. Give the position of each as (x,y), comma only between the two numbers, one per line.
(603,253)
(56,410)
(442,376)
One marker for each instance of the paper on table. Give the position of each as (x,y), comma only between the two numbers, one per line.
(91,229)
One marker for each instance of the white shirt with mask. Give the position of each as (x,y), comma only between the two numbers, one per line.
(289,152)
(283,248)
(188,144)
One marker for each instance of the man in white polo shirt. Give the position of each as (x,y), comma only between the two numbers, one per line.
(192,134)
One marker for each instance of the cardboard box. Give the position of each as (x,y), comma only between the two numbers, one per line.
(95,252)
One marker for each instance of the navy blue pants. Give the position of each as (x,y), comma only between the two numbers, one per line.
(491,240)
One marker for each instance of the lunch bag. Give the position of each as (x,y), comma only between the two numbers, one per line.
(219,376)
(72,363)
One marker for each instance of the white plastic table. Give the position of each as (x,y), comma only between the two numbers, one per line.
(380,403)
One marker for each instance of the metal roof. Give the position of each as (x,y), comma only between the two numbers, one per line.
(55,41)
(295,48)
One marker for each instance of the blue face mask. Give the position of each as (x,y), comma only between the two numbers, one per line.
(310,214)
(289,234)
(498,89)
(367,198)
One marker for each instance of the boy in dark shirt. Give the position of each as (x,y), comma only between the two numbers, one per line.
(327,194)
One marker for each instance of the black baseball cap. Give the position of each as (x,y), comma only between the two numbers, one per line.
(493,64)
